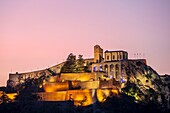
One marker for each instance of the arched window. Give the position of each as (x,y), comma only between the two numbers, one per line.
(107,57)
(117,70)
(94,68)
(111,69)
(101,68)
(113,57)
(106,69)
(122,80)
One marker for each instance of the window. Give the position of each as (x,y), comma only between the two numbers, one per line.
(94,68)
(120,56)
(113,57)
(122,80)
(107,57)
(100,67)
(147,81)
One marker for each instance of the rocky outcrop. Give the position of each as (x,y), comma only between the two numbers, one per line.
(143,83)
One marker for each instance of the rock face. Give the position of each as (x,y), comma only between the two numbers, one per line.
(143,83)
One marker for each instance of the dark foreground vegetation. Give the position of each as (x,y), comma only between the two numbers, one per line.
(118,104)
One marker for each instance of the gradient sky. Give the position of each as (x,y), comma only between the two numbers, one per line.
(35,34)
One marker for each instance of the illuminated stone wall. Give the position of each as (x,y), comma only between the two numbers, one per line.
(89,91)
(97,84)
(98,54)
(111,69)
(106,84)
(102,94)
(90,85)
(58,86)
(80,76)
(1,93)
(80,97)
(18,78)
(115,55)
(11,96)
(52,96)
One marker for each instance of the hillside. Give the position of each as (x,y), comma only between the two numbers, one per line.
(144,84)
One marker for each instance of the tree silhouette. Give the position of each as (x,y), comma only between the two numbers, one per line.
(80,64)
(70,64)
(4,98)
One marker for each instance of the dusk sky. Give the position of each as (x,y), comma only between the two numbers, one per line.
(35,34)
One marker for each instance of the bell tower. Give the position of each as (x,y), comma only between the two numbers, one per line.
(98,54)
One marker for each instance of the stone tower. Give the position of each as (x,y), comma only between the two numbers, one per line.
(98,54)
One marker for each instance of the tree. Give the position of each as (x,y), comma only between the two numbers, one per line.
(80,64)
(70,64)
(4,98)
(26,95)
(74,66)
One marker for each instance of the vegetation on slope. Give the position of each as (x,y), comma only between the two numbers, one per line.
(73,65)
(144,84)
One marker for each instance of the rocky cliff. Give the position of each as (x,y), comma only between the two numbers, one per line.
(143,83)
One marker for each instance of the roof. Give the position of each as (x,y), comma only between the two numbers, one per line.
(115,51)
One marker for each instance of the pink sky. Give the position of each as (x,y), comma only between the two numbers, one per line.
(35,34)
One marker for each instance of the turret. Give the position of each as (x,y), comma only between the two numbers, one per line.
(98,54)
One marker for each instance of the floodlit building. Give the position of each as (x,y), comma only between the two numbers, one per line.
(108,62)
(104,78)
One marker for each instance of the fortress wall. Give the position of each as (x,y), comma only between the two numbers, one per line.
(1,93)
(11,96)
(35,74)
(17,78)
(80,97)
(52,96)
(106,84)
(102,94)
(138,60)
(98,85)
(57,68)
(14,77)
(89,85)
(20,77)
(78,76)
(58,86)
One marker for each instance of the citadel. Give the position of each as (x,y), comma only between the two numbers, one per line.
(108,63)
(105,78)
